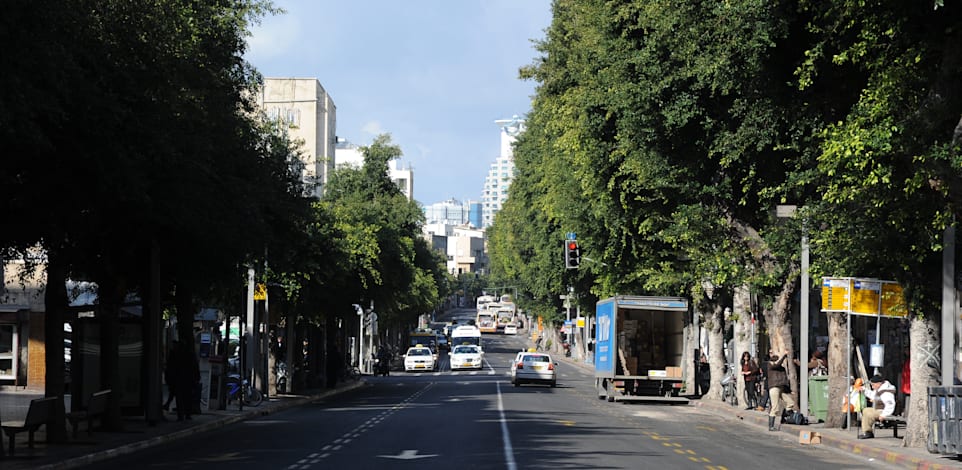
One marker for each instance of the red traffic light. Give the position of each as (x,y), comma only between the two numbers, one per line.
(572,245)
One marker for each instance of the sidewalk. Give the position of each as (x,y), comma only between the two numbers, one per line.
(883,447)
(87,449)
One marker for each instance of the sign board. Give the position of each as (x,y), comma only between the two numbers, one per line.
(857,296)
(260,291)
(835,294)
(580,322)
(604,338)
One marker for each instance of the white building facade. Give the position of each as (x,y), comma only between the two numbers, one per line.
(499,177)
(305,109)
(346,153)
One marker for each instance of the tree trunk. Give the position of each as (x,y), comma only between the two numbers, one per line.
(688,358)
(838,383)
(778,319)
(110,295)
(55,301)
(715,323)
(742,319)
(925,339)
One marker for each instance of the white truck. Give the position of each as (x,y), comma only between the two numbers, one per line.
(639,342)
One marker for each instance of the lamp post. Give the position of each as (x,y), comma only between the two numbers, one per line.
(788,211)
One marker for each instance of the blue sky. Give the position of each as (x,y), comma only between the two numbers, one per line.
(435,74)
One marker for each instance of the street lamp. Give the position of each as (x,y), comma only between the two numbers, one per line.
(788,211)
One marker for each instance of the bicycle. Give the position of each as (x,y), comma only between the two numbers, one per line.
(730,385)
(242,390)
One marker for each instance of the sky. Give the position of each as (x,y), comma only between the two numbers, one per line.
(434,74)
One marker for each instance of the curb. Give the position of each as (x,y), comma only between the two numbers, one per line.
(126,449)
(856,448)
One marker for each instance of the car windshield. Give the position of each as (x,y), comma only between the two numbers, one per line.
(419,352)
(465,350)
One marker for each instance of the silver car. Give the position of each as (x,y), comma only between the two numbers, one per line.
(533,367)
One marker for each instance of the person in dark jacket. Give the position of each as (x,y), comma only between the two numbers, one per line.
(751,374)
(185,375)
(779,390)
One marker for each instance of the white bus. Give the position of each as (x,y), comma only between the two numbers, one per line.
(466,334)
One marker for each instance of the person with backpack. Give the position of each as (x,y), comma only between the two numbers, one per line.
(779,391)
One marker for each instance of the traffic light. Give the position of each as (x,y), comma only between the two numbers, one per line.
(572,254)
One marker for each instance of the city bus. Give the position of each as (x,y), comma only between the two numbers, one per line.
(487,321)
(483,301)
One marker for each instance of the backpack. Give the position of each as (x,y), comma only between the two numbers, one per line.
(796,418)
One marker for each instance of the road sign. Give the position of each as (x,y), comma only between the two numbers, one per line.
(859,296)
(260,291)
(835,294)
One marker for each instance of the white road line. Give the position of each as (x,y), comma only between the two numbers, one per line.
(505,436)
(489,366)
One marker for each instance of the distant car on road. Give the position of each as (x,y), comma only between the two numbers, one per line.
(466,356)
(510,329)
(533,367)
(443,342)
(419,358)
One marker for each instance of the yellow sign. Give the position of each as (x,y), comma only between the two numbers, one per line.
(835,294)
(863,297)
(260,292)
(580,322)
(893,301)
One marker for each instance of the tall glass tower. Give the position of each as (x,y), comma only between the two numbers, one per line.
(501,172)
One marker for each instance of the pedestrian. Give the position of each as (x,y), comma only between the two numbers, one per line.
(882,395)
(817,364)
(185,376)
(169,374)
(750,373)
(702,374)
(332,367)
(779,391)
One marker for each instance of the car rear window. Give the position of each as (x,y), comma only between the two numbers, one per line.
(536,358)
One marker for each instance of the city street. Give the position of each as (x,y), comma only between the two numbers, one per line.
(477,419)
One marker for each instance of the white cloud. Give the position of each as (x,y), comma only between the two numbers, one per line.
(373,128)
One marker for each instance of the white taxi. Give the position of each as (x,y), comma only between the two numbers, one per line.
(510,329)
(466,356)
(419,358)
(533,367)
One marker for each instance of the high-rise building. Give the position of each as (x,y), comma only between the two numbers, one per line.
(453,212)
(501,172)
(308,113)
(346,153)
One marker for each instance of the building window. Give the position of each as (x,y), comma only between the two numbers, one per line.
(9,345)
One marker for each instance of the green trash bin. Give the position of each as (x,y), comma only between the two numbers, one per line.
(818,396)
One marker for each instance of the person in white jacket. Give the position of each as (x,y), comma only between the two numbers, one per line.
(882,395)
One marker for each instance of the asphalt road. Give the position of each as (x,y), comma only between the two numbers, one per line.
(478,420)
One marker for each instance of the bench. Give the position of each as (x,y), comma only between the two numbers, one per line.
(41,412)
(96,408)
(894,422)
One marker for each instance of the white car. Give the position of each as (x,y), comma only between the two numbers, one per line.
(466,356)
(533,367)
(419,358)
(510,329)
